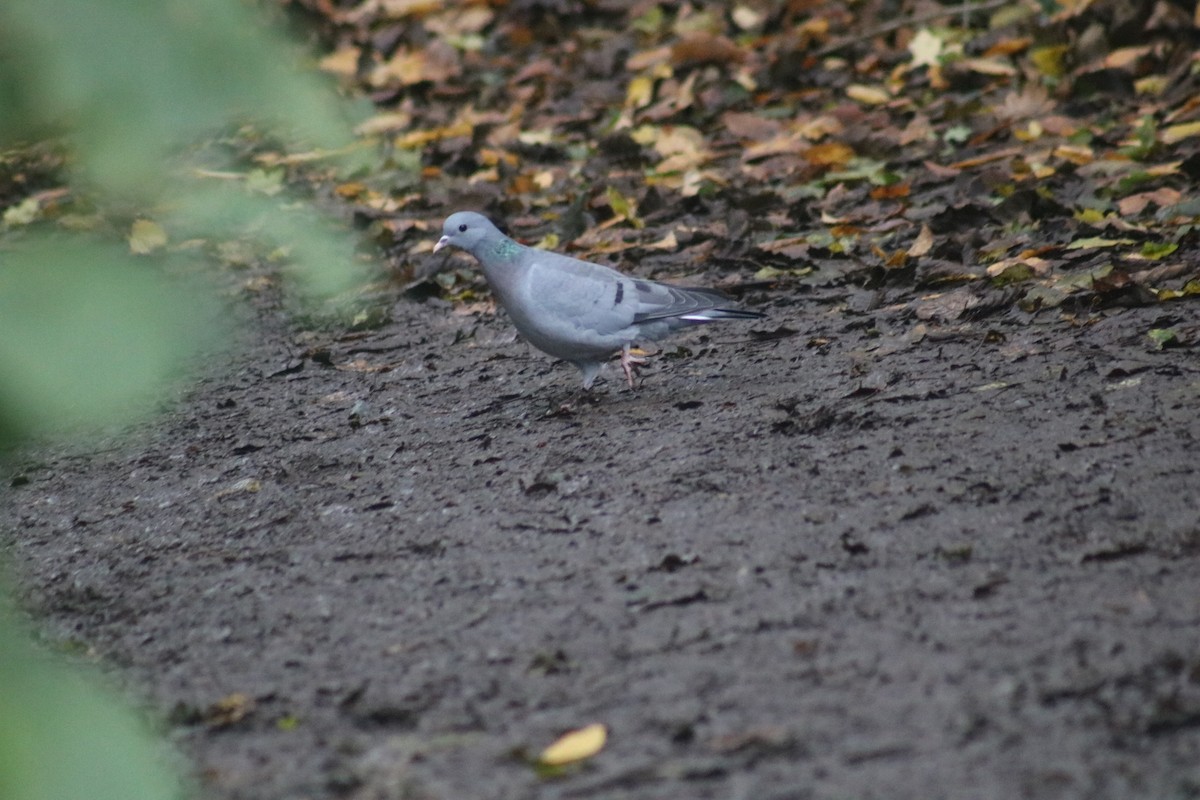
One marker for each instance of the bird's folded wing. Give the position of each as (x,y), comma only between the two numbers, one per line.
(660,301)
(581,294)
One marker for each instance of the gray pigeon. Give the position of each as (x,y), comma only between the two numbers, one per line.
(576,310)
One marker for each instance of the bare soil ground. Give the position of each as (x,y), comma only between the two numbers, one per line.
(852,562)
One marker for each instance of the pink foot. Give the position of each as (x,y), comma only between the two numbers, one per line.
(630,362)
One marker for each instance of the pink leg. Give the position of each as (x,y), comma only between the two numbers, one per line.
(629,362)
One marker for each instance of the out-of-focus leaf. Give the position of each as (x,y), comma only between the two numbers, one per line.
(87,336)
(63,737)
(316,252)
(23,212)
(265,182)
(136,78)
(146,236)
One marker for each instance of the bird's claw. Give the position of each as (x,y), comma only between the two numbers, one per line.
(630,363)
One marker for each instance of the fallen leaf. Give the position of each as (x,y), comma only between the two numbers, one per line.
(228,710)
(1135,204)
(829,154)
(1008,47)
(1177,133)
(925,48)
(668,242)
(1075,153)
(987,158)
(343,61)
(922,244)
(575,746)
(1162,337)
(989,66)
(436,63)
(1051,60)
(1096,241)
(1124,57)
(702,47)
(868,95)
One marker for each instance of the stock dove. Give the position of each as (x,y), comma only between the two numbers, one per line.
(576,310)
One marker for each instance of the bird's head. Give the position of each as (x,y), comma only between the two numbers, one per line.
(464,230)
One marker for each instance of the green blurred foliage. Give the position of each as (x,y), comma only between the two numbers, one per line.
(92,334)
(86,335)
(88,331)
(131,81)
(63,737)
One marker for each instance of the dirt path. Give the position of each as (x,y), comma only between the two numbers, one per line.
(852,562)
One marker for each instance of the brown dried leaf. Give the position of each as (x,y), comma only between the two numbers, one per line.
(702,47)
(1135,204)
(922,244)
(1008,47)
(750,126)
(833,155)
(436,63)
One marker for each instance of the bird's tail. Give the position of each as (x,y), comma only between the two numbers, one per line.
(715,314)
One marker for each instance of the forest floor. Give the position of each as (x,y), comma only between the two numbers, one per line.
(929,530)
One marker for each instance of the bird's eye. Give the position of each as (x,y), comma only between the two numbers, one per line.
(462,228)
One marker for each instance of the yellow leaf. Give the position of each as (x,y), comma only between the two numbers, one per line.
(645,134)
(1159,170)
(868,95)
(925,48)
(1177,133)
(1096,241)
(146,236)
(1050,61)
(829,154)
(623,207)
(1075,153)
(575,746)
(640,92)
(1151,85)
(343,61)
(415,139)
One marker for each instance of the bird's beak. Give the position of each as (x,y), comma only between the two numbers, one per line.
(442,242)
